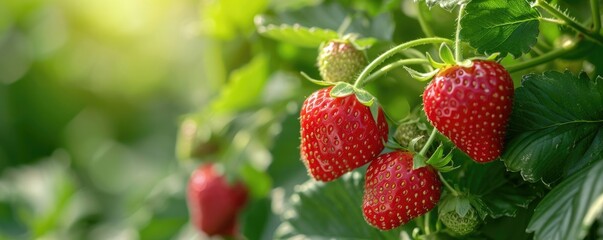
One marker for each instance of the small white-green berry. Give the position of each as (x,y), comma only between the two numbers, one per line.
(340,61)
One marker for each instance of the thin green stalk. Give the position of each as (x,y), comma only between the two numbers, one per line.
(447,185)
(367,70)
(432,136)
(593,36)
(553,20)
(423,21)
(344,26)
(427,227)
(594,8)
(540,59)
(457,36)
(394,65)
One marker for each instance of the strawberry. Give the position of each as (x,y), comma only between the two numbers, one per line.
(411,131)
(338,134)
(459,214)
(471,106)
(214,204)
(394,193)
(340,61)
(461,225)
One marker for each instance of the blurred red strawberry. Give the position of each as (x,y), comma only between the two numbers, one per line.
(214,204)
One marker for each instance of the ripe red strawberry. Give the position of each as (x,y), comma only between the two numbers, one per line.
(394,193)
(214,204)
(340,61)
(338,134)
(471,106)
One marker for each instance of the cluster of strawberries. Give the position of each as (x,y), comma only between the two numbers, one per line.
(470,105)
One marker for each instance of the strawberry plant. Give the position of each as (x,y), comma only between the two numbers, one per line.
(428,119)
(301,119)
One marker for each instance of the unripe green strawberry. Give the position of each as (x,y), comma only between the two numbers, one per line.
(460,225)
(409,131)
(340,61)
(459,212)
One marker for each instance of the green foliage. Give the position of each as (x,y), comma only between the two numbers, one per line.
(445,4)
(497,193)
(555,128)
(244,86)
(225,19)
(571,207)
(505,26)
(321,21)
(297,35)
(316,210)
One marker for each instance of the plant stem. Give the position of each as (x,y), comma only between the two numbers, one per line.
(432,136)
(553,20)
(594,8)
(457,36)
(593,36)
(344,25)
(394,65)
(540,59)
(367,70)
(422,21)
(426,223)
(447,185)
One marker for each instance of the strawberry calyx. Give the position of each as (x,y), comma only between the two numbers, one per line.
(343,89)
(437,160)
(358,43)
(448,60)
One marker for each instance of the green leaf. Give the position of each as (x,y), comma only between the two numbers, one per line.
(495,190)
(421,76)
(441,162)
(331,16)
(505,26)
(342,89)
(556,127)
(316,81)
(570,208)
(295,34)
(331,210)
(258,182)
(445,4)
(434,63)
(375,111)
(463,206)
(418,161)
(244,86)
(446,54)
(224,19)
(365,98)
(364,43)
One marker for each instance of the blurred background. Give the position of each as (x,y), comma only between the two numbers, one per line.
(91,94)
